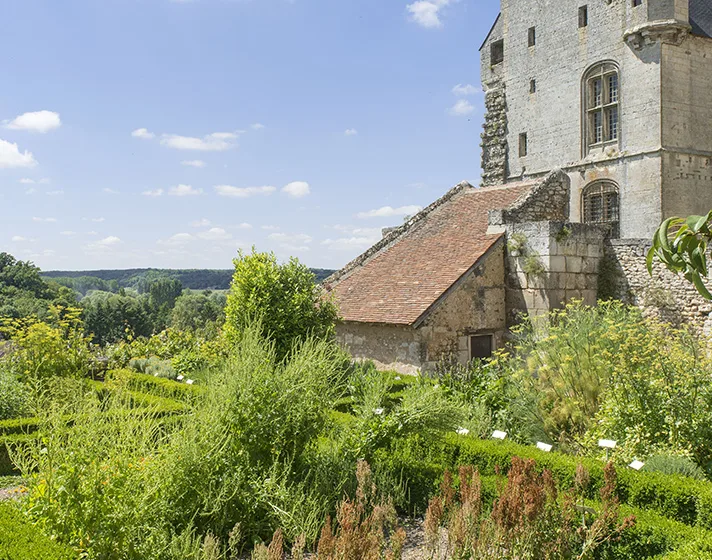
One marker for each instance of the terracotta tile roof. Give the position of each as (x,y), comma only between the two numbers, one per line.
(401,277)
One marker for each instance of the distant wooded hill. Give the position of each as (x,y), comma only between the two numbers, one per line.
(140,278)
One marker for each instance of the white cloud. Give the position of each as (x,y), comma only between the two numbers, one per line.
(462,108)
(389,212)
(68,233)
(243,192)
(350,132)
(201,223)
(143,133)
(286,238)
(295,243)
(244,225)
(153,193)
(199,163)
(215,234)
(98,220)
(103,245)
(31,191)
(39,121)
(297,189)
(10,156)
(184,190)
(257,126)
(349,243)
(426,13)
(19,238)
(107,190)
(178,239)
(55,193)
(215,142)
(108,241)
(270,228)
(465,90)
(44,220)
(27,181)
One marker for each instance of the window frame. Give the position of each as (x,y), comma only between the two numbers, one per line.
(480,335)
(583,16)
(497,47)
(531,36)
(610,213)
(600,107)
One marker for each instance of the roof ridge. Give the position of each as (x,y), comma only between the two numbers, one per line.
(393,236)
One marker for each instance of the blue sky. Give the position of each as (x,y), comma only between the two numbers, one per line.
(166,133)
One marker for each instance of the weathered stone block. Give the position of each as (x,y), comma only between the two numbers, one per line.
(574,264)
(557,263)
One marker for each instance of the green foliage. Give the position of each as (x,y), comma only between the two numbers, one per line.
(284,297)
(111,317)
(581,374)
(533,265)
(152,385)
(198,311)
(164,292)
(153,366)
(13,396)
(132,486)
(138,279)
(23,293)
(681,245)
(422,408)
(191,354)
(41,351)
(685,500)
(20,540)
(671,464)
(517,243)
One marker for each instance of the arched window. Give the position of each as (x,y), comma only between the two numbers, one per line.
(601,205)
(601,99)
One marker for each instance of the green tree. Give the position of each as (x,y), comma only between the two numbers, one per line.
(164,292)
(284,297)
(109,316)
(23,292)
(197,310)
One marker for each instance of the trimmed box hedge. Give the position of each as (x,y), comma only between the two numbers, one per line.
(21,540)
(675,497)
(157,386)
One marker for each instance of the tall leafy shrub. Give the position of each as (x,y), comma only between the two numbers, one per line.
(121,484)
(285,297)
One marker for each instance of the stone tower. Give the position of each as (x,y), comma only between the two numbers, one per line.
(613,92)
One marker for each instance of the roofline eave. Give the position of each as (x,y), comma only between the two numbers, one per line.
(482,46)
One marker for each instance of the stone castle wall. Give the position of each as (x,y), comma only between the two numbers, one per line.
(624,276)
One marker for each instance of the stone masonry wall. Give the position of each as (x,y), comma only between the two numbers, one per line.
(390,347)
(474,306)
(494,136)
(549,264)
(624,276)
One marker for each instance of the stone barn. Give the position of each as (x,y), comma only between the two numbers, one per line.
(439,287)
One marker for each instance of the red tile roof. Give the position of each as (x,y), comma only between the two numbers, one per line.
(401,277)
